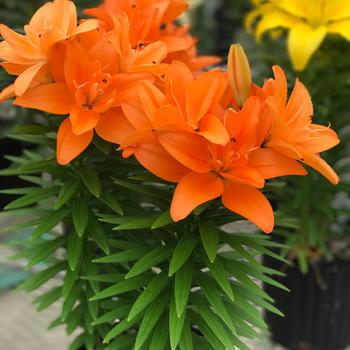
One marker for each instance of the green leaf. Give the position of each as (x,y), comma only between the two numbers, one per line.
(182,252)
(218,272)
(112,202)
(150,260)
(40,278)
(81,215)
(151,317)
(176,324)
(44,250)
(67,191)
(77,343)
(70,301)
(47,299)
(121,328)
(213,295)
(91,181)
(160,335)
(182,287)
(32,198)
(186,337)
(74,249)
(125,256)
(210,238)
(213,322)
(50,222)
(163,220)
(136,224)
(107,278)
(121,343)
(155,287)
(120,311)
(122,287)
(99,235)
(140,188)
(69,281)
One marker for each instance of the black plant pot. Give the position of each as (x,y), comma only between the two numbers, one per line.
(317,311)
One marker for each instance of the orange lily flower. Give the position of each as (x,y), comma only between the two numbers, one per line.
(26,56)
(235,171)
(89,95)
(291,130)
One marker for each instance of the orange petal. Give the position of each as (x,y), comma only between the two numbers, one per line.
(83,119)
(189,149)
(20,44)
(155,159)
(193,190)
(200,96)
(245,175)
(316,162)
(323,138)
(134,113)
(213,130)
(87,26)
(113,126)
(250,203)
(69,145)
(153,53)
(281,89)
(169,117)
(174,43)
(52,98)
(271,164)
(23,82)
(299,104)
(7,92)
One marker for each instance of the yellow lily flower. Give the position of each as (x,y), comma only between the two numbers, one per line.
(308,23)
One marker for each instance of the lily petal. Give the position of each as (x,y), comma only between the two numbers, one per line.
(250,203)
(83,119)
(193,190)
(23,82)
(69,145)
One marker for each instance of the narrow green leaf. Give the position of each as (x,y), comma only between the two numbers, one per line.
(176,324)
(45,249)
(160,335)
(213,295)
(77,343)
(125,256)
(32,198)
(74,249)
(107,278)
(50,222)
(150,319)
(213,322)
(120,328)
(47,299)
(120,311)
(183,284)
(150,260)
(80,215)
(155,287)
(99,235)
(41,277)
(163,220)
(18,191)
(218,272)
(69,281)
(91,181)
(112,202)
(186,342)
(67,191)
(182,252)
(140,188)
(136,224)
(70,301)
(210,238)
(123,342)
(123,287)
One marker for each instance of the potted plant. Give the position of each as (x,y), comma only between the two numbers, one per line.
(147,156)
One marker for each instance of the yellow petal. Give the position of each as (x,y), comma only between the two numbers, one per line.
(337,9)
(341,27)
(294,7)
(303,42)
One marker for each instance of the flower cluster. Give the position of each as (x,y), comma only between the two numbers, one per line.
(308,23)
(133,76)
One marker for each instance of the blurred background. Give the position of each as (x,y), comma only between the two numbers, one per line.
(317,240)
